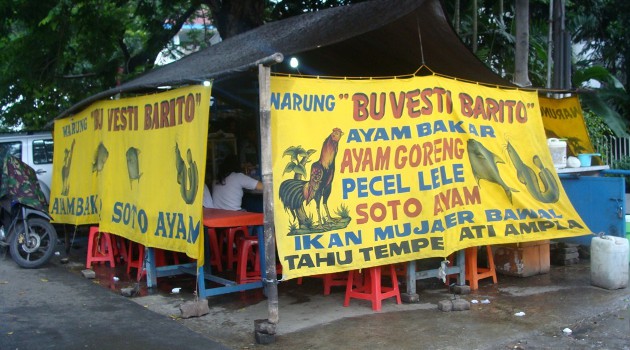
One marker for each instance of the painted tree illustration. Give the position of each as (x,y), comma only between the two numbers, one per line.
(292,190)
(299,157)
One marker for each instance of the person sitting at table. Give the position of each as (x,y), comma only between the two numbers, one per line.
(227,189)
(207,197)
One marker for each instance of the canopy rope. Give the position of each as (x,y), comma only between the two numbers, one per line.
(420,41)
(426,67)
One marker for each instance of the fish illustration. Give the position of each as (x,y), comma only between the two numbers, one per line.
(544,187)
(100,157)
(484,166)
(133,168)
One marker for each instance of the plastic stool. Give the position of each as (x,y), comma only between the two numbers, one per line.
(100,248)
(334,279)
(136,260)
(231,239)
(371,289)
(474,273)
(120,248)
(247,253)
(330,280)
(215,251)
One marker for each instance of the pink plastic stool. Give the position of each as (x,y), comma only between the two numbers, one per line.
(100,248)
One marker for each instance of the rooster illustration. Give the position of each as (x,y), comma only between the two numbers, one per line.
(295,193)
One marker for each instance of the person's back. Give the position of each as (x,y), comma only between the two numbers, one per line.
(229,195)
(207,197)
(227,190)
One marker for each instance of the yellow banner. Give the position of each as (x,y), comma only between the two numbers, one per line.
(373,172)
(135,167)
(563,119)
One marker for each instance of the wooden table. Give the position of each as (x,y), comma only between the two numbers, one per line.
(213,218)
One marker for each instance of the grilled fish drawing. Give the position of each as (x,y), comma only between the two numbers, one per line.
(543,187)
(100,157)
(484,166)
(133,167)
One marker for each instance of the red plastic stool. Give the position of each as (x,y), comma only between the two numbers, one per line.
(232,248)
(161,257)
(330,280)
(135,259)
(100,248)
(215,250)
(474,273)
(119,248)
(248,254)
(371,289)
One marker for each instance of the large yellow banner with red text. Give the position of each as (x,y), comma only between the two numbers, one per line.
(374,172)
(135,167)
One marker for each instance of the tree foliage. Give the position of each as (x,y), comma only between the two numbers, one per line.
(598,28)
(602,28)
(54,53)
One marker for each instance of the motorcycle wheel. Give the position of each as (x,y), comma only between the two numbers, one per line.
(34,249)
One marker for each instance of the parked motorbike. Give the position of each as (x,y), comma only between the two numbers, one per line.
(25,224)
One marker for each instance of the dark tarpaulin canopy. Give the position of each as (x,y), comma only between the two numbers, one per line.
(369,39)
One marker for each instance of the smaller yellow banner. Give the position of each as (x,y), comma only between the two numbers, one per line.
(563,119)
(135,167)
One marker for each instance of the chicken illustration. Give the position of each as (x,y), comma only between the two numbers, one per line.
(322,174)
(295,193)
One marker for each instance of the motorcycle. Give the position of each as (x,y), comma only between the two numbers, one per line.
(25,224)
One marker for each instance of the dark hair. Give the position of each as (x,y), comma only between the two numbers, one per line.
(229,164)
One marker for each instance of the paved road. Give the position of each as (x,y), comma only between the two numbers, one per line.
(55,308)
(51,308)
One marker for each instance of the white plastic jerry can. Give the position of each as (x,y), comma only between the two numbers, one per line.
(609,262)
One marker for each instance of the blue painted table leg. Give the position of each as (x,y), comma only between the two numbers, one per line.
(201,283)
(150,266)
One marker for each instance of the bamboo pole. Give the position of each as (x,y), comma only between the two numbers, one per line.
(265,330)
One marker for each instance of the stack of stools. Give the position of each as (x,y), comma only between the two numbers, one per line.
(248,255)
(370,288)
(103,247)
(474,273)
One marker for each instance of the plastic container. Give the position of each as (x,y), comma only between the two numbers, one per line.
(609,262)
(585,158)
(558,150)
